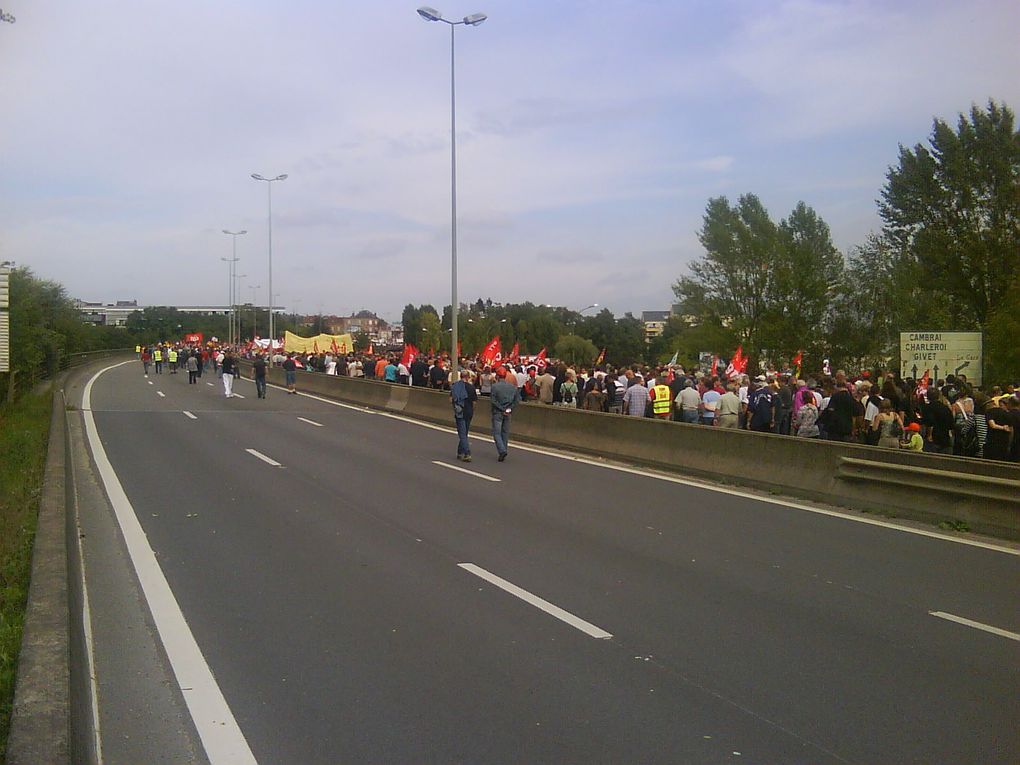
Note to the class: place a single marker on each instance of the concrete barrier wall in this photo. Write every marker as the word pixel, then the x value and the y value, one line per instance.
pixel 984 494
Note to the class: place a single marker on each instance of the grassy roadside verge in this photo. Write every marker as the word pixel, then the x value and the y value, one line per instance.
pixel 24 432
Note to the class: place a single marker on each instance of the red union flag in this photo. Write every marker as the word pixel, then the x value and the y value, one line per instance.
pixel 715 366
pixel 922 386
pixel 410 354
pixel 492 353
pixel 738 364
pixel 515 354
pixel 194 338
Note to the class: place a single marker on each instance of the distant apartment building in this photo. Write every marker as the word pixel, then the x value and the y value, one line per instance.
pixel 362 321
pixel 655 323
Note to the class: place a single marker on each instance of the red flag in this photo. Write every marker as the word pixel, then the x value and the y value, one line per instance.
pixel 922 387
pixel 491 353
pixel 738 364
pixel 797 362
pixel 715 366
pixel 515 354
pixel 540 360
pixel 410 354
pixel 370 351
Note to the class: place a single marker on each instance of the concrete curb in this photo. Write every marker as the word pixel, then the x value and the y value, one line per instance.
pixel 40 724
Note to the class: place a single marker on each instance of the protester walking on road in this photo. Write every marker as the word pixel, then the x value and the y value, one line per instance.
pixel 463 396
pixel 258 368
pixel 229 368
pixel 192 364
pixel 504 397
pixel 290 373
pixel 146 360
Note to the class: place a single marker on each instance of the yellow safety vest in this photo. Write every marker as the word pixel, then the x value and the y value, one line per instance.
pixel 138 349
pixel 661 403
pixel 157 355
pixel 172 355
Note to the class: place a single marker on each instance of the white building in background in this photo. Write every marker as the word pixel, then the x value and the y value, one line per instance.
pixel 116 314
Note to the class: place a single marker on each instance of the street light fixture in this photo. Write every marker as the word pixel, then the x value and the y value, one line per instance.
pixel 237 310
pixel 269 187
pixel 431 14
pixel 230 315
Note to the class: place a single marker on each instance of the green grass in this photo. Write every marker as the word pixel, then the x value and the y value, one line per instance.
pixel 24 430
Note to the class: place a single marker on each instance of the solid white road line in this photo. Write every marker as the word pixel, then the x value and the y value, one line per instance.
pixel 976 625
pixel 464 470
pixel 190 415
pixel 311 422
pixel 544 605
pixel 687 481
pixel 161 394
pixel 263 457
pixel 221 736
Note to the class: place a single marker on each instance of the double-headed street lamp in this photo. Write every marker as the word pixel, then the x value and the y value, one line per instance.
pixel 431 14
pixel 230 296
pixel 269 186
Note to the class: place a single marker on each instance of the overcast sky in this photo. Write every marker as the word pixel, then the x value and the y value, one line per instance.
pixel 590 136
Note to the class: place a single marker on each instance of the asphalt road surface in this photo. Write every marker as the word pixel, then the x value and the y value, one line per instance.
pixel 369 599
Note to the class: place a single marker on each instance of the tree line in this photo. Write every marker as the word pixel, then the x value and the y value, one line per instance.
pixel 947 258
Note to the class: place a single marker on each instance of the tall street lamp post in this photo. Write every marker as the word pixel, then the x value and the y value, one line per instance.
pixel 232 260
pixel 238 314
pixel 431 14
pixel 269 187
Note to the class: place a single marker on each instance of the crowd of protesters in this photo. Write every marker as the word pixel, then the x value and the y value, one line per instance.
pixel 877 408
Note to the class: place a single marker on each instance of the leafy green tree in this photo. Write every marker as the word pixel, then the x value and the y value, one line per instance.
pixel 806 276
pixel 954 209
pixel 411 321
pixel 431 336
pixel 734 280
pixel 1002 339
pixel 771 287
pixel 576 350
pixel 361 340
pixel 628 343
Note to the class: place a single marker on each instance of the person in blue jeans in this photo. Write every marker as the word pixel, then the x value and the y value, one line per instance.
pixel 463 395
pixel 504 397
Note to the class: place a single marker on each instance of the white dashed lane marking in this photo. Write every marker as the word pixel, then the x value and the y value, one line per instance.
pixel 264 458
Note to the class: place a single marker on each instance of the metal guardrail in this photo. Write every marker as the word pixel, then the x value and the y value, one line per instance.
pixel 24 380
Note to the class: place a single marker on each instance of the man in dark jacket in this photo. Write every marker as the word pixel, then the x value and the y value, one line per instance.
pixel 839 422
pixel 463 395
pixel 504 397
